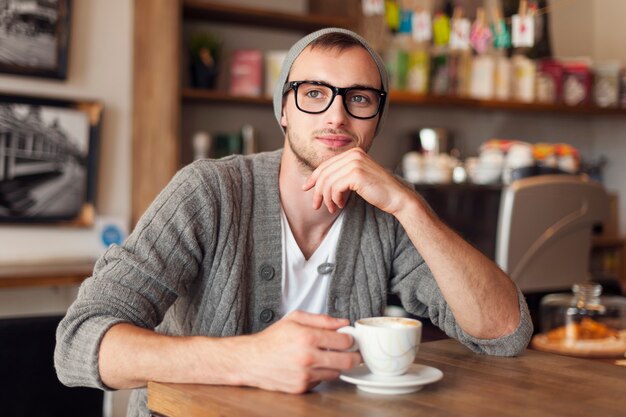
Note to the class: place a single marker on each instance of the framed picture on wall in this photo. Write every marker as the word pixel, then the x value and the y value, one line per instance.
pixel 48 159
pixel 34 37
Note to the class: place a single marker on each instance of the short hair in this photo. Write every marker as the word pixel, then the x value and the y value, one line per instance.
pixel 336 40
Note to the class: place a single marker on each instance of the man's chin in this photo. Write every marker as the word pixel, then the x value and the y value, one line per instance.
pixel 325 156
pixel 314 158
pixel 310 164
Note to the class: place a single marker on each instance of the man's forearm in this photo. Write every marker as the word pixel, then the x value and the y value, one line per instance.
pixel 131 356
pixel 483 298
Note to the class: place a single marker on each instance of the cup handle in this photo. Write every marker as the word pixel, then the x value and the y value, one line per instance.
pixel 352 332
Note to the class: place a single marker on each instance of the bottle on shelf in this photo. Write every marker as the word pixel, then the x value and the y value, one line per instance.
pixel 202 144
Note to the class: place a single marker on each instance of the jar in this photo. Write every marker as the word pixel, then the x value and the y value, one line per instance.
pixel 523 80
pixel 583 323
pixel 606 84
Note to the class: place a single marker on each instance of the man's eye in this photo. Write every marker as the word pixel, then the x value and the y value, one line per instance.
pixel 314 94
pixel 359 99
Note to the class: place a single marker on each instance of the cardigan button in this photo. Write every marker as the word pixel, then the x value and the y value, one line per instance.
pixel 326 268
pixel 267 315
pixel 266 272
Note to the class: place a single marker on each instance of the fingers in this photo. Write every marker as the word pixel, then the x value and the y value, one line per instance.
pixel 320 331
pixel 327 190
pixel 320 375
pixel 333 180
pixel 299 351
pixel 333 190
pixel 340 361
pixel 313 378
pixel 333 187
pixel 332 340
pixel 353 170
pixel 327 364
pixel 320 321
pixel 337 161
pixel 312 385
pixel 304 382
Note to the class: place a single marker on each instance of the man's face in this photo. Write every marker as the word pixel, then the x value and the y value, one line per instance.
pixel 314 138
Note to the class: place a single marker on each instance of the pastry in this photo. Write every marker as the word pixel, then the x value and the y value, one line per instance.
pixel 587 329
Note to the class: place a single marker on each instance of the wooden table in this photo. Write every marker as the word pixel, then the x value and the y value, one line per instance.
pixel 533 384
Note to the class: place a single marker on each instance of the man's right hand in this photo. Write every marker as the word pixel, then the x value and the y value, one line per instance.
pixel 297 353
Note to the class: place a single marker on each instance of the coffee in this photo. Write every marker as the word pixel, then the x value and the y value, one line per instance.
pixel 387 344
pixel 390 322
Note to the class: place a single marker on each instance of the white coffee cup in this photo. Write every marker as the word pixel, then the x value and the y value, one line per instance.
pixel 387 344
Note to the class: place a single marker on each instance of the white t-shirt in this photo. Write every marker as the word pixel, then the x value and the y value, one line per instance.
pixel 305 282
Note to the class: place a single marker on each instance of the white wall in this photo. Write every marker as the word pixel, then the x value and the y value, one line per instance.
pixel 100 68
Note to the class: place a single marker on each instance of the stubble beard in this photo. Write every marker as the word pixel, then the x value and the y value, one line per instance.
pixel 308 159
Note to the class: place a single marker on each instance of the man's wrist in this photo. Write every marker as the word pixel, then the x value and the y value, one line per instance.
pixel 221 361
pixel 411 207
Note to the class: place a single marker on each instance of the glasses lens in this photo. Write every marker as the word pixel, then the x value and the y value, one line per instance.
pixel 313 97
pixel 362 102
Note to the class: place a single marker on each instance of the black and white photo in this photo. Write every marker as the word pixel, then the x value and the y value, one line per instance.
pixel 34 37
pixel 48 155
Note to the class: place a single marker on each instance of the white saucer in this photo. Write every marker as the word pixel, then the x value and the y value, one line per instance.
pixel 416 377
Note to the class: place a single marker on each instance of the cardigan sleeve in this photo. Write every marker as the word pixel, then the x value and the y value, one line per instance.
pixel 419 293
pixel 138 281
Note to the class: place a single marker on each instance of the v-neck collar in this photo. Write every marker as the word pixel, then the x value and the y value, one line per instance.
pixel 321 249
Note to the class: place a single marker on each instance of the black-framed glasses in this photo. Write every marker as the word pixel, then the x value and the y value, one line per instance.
pixel 316 97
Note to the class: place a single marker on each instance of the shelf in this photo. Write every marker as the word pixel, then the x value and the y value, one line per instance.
pixel 607 242
pixel 50 274
pixel 402 98
pixel 412 99
pixel 214 96
pixel 200 10
pixel 43 281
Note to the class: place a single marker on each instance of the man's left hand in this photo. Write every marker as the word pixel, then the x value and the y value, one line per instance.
pixel 354 170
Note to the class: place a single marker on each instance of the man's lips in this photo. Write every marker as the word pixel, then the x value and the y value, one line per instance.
pixel 335 141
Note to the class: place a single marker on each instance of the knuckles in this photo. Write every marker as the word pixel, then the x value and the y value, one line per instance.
pixel 358 151
pixel 358 173
pixel 305 360
pixel 306 339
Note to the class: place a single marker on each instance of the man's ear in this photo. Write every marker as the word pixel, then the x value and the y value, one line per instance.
pixel 283 119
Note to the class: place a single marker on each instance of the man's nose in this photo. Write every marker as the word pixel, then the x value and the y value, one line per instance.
pixel 337 112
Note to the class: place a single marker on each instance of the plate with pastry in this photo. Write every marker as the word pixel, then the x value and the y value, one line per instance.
pixel 587 338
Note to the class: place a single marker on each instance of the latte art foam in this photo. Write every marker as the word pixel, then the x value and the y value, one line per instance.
pixel 389 322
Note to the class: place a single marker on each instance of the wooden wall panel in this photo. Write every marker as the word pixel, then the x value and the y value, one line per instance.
pixel 156 99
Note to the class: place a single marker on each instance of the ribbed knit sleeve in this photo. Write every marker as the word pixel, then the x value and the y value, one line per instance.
pixel 138 281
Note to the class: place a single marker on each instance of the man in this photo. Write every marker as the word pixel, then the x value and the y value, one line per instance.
pixel 317 233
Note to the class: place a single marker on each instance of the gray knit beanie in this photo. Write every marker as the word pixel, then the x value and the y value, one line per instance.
pixel 299 46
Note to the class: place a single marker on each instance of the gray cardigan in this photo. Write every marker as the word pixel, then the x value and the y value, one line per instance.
pixel 205 259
